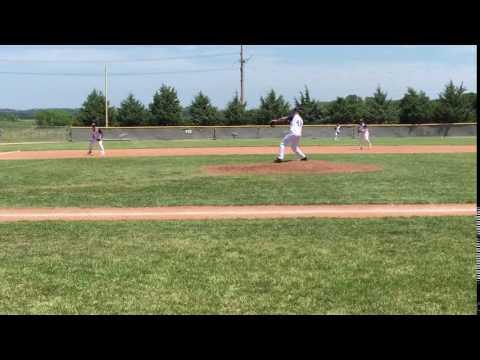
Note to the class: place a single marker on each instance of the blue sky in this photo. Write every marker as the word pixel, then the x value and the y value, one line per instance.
pixel 328 71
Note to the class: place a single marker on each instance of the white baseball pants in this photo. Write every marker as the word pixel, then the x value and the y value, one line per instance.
pixel 100 145
pixel 293 141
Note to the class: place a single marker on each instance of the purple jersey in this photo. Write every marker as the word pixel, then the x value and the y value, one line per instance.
pixel 96 135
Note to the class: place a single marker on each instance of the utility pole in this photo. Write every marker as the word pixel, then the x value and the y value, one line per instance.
pixel 106 98
pixel 242 90
pixel 243 61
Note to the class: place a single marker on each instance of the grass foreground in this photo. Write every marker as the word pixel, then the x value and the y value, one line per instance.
pixel 308 266
pixel 175 181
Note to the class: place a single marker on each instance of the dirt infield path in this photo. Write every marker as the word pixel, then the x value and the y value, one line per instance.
pixel 236 212
pixel 254 150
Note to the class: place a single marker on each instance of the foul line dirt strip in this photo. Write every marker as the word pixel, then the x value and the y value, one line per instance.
pixel 236 212
pixel 254 150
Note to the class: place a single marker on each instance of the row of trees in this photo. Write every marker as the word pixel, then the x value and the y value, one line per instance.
pixel 453 105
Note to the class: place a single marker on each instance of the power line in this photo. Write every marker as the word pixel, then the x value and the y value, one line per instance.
pixel 172 72
pixel 115 60
pixel 115 74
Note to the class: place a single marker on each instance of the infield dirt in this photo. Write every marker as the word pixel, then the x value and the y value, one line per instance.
pixel 253 150
pixel 289 167
pixel 235 212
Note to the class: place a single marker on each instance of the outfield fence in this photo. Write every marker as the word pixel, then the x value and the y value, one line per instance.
pixel 16 134
pixel 264 132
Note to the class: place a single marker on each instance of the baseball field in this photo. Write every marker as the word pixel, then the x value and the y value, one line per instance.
pixel 214 227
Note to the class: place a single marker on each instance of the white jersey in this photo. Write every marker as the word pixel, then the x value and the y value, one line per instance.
pixel 363 129
pixel 296 125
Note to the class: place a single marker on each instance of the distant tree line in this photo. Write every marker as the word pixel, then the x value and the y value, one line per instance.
pixel 454 104
pixel 8 118
pixel 31 113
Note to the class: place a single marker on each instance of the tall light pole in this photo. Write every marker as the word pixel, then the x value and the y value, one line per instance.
pixel 106 98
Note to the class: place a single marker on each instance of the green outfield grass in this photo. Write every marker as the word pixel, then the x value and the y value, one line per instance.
pixel 239 142
pixel 308 266
pixel 168 181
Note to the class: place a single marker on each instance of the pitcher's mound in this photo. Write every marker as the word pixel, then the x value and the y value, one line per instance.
pixel 289 167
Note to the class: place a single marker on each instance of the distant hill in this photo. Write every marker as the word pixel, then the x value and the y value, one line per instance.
pixel 31 113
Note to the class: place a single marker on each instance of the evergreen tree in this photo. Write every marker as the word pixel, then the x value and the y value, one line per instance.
pixel 452 106
pixel 202 112
pixel 415 108
pixel 379 110
pixel 311 109
pixel 346 110
pixel 471 98
pixel 165 108
pixel 252 116
pixel 186 117
pixel 132 112
pixel 93 110
pixel 272 107
pixel 235 112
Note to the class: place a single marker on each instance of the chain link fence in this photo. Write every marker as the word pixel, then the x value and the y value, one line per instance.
pixel 264 132
pixel 22 134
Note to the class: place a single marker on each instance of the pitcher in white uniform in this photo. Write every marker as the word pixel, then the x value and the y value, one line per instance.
pixel 293 137
pixel 96 136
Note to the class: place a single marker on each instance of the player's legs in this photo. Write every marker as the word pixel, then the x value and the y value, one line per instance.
pixel 100 145
pixel 285 141
pixel 90 147
pixel 362 140
pixel 295 147
pixel 367 139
